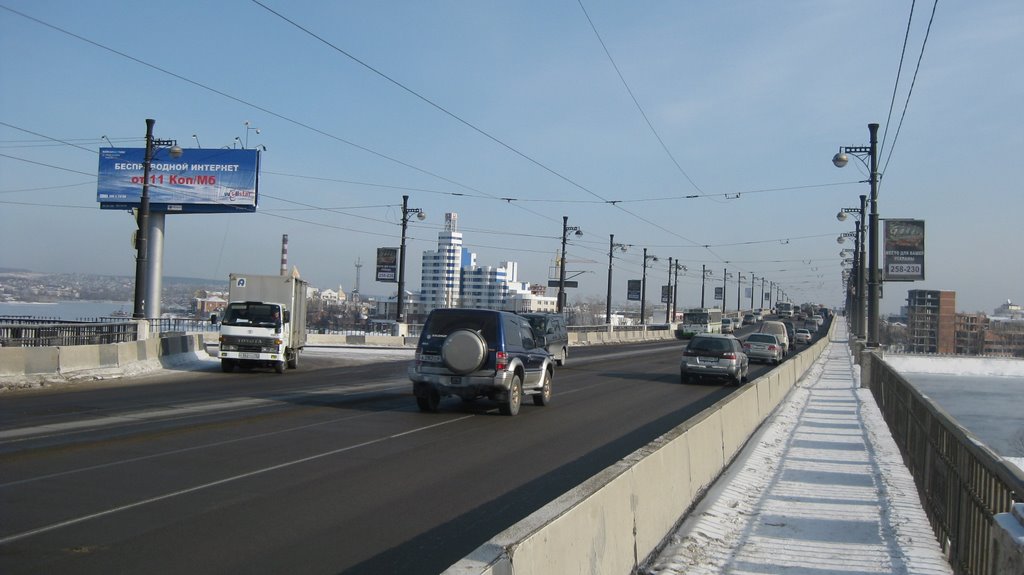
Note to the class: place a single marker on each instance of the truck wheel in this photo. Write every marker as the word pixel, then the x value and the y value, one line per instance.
pixel 293 360
pixel 515 397
pixel 279 367
pixel 227 365
pixel 430 402
pixel 544 397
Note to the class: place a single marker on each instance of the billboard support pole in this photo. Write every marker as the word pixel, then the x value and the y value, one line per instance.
pixel 142 234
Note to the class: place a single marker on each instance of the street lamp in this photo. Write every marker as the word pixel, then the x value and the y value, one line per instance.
pixel 840 160
pixel 561 265
pixel 407 212
pixel 142 221
pixel 725 277
pixel 675 290
pixel 612 246
pixel 704 271
pixel 858 290
pixel 643 287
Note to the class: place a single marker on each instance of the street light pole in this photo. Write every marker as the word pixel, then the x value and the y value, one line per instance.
pixel 561 266
pixel 739 286
pixel 668 296
pixel 752 276
pixel 142 234
pixel 675 289
pixel 611 251
pixel 406 212
pixel 840 160
pixel 643 288
pixel 725 273
pixel 703 277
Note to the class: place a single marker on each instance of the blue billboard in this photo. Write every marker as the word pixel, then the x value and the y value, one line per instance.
pixel 199 181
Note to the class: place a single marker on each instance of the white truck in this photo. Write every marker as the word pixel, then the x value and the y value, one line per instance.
pixel 264 322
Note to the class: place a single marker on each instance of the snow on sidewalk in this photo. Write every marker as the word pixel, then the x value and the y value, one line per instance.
pixel 821 489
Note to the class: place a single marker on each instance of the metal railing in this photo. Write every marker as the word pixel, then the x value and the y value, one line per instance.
pixel 28 333
pixel 962 483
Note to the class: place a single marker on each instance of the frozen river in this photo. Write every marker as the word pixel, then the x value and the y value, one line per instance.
pixel 984 395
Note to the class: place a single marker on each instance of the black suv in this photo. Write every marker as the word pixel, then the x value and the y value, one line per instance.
pixel 556 336
pixel 475 353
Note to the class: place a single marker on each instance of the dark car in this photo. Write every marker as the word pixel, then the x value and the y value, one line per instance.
pixel 556 336
pixel 473 353
pixel 714 356
pixel 790 331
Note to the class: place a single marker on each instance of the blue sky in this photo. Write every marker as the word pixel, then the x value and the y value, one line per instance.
pixel 518 100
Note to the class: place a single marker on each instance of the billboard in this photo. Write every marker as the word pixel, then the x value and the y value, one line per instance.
pixel 199 181
pixel 387 264
pixel 904 251
pixel 666 294
pixel 719 292
pixel 633 290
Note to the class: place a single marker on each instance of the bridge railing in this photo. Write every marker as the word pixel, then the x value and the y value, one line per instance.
pixel 25 333
pixel 962 483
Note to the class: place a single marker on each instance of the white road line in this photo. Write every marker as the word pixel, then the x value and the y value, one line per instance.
pixel 84 518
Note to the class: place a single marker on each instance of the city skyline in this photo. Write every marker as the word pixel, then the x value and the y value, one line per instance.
pixel 702 133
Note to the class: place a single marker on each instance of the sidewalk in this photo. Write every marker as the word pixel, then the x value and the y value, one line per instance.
pixel 821 489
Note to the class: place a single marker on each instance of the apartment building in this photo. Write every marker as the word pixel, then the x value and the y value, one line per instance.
pixel 451 277
pixel 931 321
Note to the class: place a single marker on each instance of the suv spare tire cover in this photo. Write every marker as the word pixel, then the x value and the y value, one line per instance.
pixel 464 351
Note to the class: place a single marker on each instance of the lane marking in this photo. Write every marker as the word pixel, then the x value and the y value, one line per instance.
pixel 84 518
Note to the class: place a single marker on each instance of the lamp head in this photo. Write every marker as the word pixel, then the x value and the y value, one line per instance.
pixel 841 216
pixel 840 160
pixel 175 151
pixel 840 240
pixel 421 215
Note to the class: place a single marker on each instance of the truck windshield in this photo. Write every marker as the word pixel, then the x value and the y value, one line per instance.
pixel 258 314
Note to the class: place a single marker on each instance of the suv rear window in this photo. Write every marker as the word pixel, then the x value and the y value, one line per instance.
pixel 442 324
pixel 713 344
pixel 762 338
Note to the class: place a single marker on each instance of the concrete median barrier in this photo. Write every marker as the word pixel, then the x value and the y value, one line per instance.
pixel 615 520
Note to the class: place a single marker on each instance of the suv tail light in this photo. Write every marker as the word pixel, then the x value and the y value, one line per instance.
pixel 501 360
pixel 729 355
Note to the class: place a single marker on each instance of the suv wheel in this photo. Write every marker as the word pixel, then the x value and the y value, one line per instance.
pixel 515 397
pixel 563 358
pixel 430 402
pixel 464 351
pixel 544 397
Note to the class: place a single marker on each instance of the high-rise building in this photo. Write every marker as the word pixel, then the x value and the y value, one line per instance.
pixel 931 321
pixel 451 278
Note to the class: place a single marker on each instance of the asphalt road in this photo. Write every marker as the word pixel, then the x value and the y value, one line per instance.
pixel 327 469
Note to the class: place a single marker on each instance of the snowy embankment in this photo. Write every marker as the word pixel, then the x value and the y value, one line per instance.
pixel 957 365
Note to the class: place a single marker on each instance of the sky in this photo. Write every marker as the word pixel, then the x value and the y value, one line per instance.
pixel 702 132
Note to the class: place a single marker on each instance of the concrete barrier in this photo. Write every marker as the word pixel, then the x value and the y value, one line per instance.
pixel 67 361
pixel 616 520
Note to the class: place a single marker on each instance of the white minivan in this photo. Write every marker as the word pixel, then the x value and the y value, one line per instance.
pixel 778 329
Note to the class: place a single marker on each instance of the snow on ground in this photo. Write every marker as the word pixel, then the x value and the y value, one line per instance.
pixel 821 489
pixel 957 365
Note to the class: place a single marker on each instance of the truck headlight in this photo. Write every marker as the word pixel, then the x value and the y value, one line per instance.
pixel 228 347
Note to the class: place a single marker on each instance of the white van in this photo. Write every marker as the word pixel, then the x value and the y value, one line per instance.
pixel 778 329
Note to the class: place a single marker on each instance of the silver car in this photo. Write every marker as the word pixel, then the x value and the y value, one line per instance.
pixel 763 347
pixel 714 356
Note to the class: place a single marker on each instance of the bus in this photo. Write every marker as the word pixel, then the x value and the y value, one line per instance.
pixel 784 309
pixel 701 320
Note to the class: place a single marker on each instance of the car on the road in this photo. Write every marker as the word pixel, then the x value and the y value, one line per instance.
pixel 818 319
pixel 778 329
pixel 749 319
pixel 811 325
pixel 556 336
pixel 714 356
pixel 728 325
pixel 473 353
pixel 790 331
pixel 763 347
pixel 803 336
